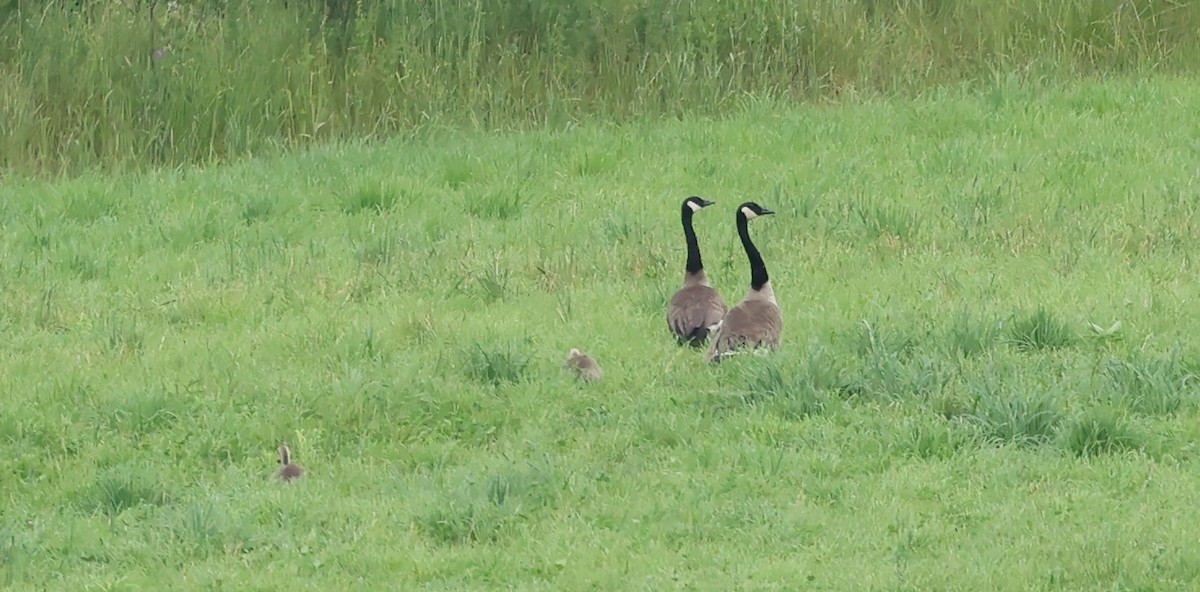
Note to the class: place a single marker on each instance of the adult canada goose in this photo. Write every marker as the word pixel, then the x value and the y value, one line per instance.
pixel 583 365
pixel 755 322
pixel 287 470
pixel 696 309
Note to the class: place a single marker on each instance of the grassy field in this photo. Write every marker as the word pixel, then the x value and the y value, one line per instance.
pixel 988 378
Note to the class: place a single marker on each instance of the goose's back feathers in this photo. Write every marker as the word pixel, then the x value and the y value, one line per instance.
pixel 754 323
pixel 695 311
pixel 289 472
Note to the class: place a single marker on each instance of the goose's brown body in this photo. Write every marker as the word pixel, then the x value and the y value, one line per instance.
pixel 695 310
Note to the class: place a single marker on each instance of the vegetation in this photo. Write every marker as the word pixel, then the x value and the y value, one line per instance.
pixel 988 378
pixel 130 83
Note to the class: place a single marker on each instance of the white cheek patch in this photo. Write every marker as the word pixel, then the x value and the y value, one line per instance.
pixel 749 213
pixel 694 206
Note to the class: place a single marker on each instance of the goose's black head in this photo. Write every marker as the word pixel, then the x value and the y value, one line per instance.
pixel 751 210
pixel 695 202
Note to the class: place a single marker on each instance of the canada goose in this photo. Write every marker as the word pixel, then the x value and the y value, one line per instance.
pixel 583 365
pixel 696 309
pixel 287 470
pixel 755 322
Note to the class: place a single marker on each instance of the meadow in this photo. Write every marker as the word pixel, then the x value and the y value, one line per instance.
pixel 987 379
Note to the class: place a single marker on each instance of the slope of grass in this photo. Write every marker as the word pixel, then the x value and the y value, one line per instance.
pixel 128 84
pixel 954 406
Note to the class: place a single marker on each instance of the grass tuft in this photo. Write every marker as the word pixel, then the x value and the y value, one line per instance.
pixel 968 336
pixel 378 251
pixel 1040 330
pixel 874 340
pixel 257 210
pixel 148 411
pixel 503 204
pixel 457 171
pixel 497 363
pixel 487 510
pixel 1100 431
pixel 493 282
pixel 205 530
pixel 1150 385
pixel 820 371
pixel 123 335
pixel 84 266
pixel 890 366
pixel 935 438
pixel 370 198
pixel 122 488
pixel 883 220
pixel 618 228
pixel 88 208
pixel 771 384
pixel 1015 418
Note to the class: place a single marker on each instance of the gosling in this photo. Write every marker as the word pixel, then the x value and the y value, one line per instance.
pixel 287 470
pixel 583 365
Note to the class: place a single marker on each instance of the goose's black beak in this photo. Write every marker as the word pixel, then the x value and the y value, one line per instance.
pixel 764 211
pixel 704 203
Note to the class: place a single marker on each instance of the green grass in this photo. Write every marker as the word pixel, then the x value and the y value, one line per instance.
pixel 129 85
pixel 954 407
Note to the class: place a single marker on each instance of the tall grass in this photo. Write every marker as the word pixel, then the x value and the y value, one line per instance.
pixel 128 83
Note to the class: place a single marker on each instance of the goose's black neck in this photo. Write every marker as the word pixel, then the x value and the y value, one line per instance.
pixel 758 269
pixel 693 247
